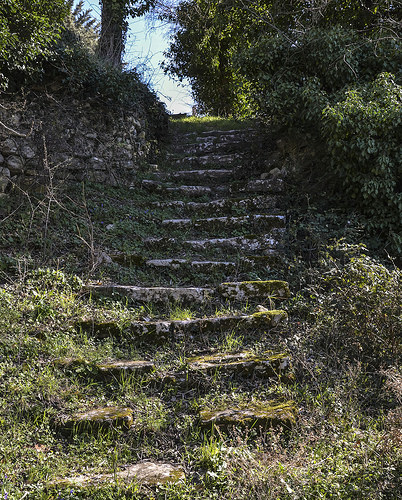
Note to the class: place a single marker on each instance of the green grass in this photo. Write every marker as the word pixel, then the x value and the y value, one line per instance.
pixel 208 123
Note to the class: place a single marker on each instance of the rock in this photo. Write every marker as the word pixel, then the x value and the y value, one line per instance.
pixel 154 294
pixel 1 159
pixel 265 414
pixel 111 417
pixel 260 308
pixel 160 330
pixel 244 290
pixel 243 363
pixel 15 164
pixel 27 152
pixel 142 473
pixel 109 227
pixel 4 179
pixel 9 146
pixel 122 367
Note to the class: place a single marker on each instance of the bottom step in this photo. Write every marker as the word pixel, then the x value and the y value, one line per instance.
pixel 143 473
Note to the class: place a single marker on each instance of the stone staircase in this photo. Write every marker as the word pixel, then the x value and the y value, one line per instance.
pixel 223 242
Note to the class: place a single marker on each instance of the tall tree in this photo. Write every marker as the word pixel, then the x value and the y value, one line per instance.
pixel 114 25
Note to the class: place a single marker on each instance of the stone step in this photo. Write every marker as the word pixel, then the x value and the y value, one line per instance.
pixel 264 186
pixel 142 473
pixel 243 363
pixel 235 291
pixel 197 191
pixel 222 205
pixel 163 329
pixel 205 265
pixel 244 135
pixel 265 244
pixel 260 221
pixel 246 290
pixel 211 266
pixel 208 159
pixel 178 263
pixel 154 294
pixel 212 144
pixel 204 176
pixel 256 414
pixel 98 419
pixel 106 369
pixel 238 188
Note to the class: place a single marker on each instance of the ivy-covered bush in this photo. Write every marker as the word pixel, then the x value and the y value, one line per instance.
pixel 27 31
pixel 363 134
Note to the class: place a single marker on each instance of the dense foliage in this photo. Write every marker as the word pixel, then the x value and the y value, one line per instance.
pixel 330 70
pixel 27 30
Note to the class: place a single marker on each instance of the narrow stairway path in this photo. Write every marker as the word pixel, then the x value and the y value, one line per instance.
pixel 210 257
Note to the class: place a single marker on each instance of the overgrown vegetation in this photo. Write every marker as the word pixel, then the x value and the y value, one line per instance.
pixel 328 70
pixel 343 337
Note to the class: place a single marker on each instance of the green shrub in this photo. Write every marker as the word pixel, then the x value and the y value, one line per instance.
pixel 357 313
pixel 363 134
pixel 27 31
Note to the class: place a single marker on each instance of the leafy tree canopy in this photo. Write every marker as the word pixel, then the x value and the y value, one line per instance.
pixel 27 29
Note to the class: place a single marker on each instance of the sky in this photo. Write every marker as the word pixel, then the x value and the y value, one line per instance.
pixel 146 42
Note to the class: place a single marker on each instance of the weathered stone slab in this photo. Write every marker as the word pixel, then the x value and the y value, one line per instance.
pixel 200 176
pixel 243 363
pixel 215 223
pixel 151 185
pixel 261 321
pixel 242 291
pixel 143 473
pixel 122 367
pixel 264 186
pixel 154 294
pixel 180 263
pixel 265 243
pixel 221 205
pixel 211 158
pixel 269 414
pixel 111 417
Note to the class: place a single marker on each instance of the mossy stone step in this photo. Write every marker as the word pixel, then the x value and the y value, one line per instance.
pixel 211 145
pixel 209 159
pixel 116 368
pixel 260 221
pixel 98 419
pixel 246 290
pixel 143 473
pixel 243 363
pixel 197 191
pixel 198 176
pixel 224 205
pixel 154 294
pixel 266 244
pixel 163 329
pixel 264 186
pixel 241 291
pixel 256 414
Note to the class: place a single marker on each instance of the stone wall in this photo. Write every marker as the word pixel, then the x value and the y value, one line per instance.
pixel 43 138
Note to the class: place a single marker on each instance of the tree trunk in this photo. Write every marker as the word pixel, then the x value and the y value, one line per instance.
pixel 113 32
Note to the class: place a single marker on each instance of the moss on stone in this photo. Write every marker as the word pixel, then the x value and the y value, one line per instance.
pixel 254 289
pixel 243 363
pixel 266 414
pixel 97 420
